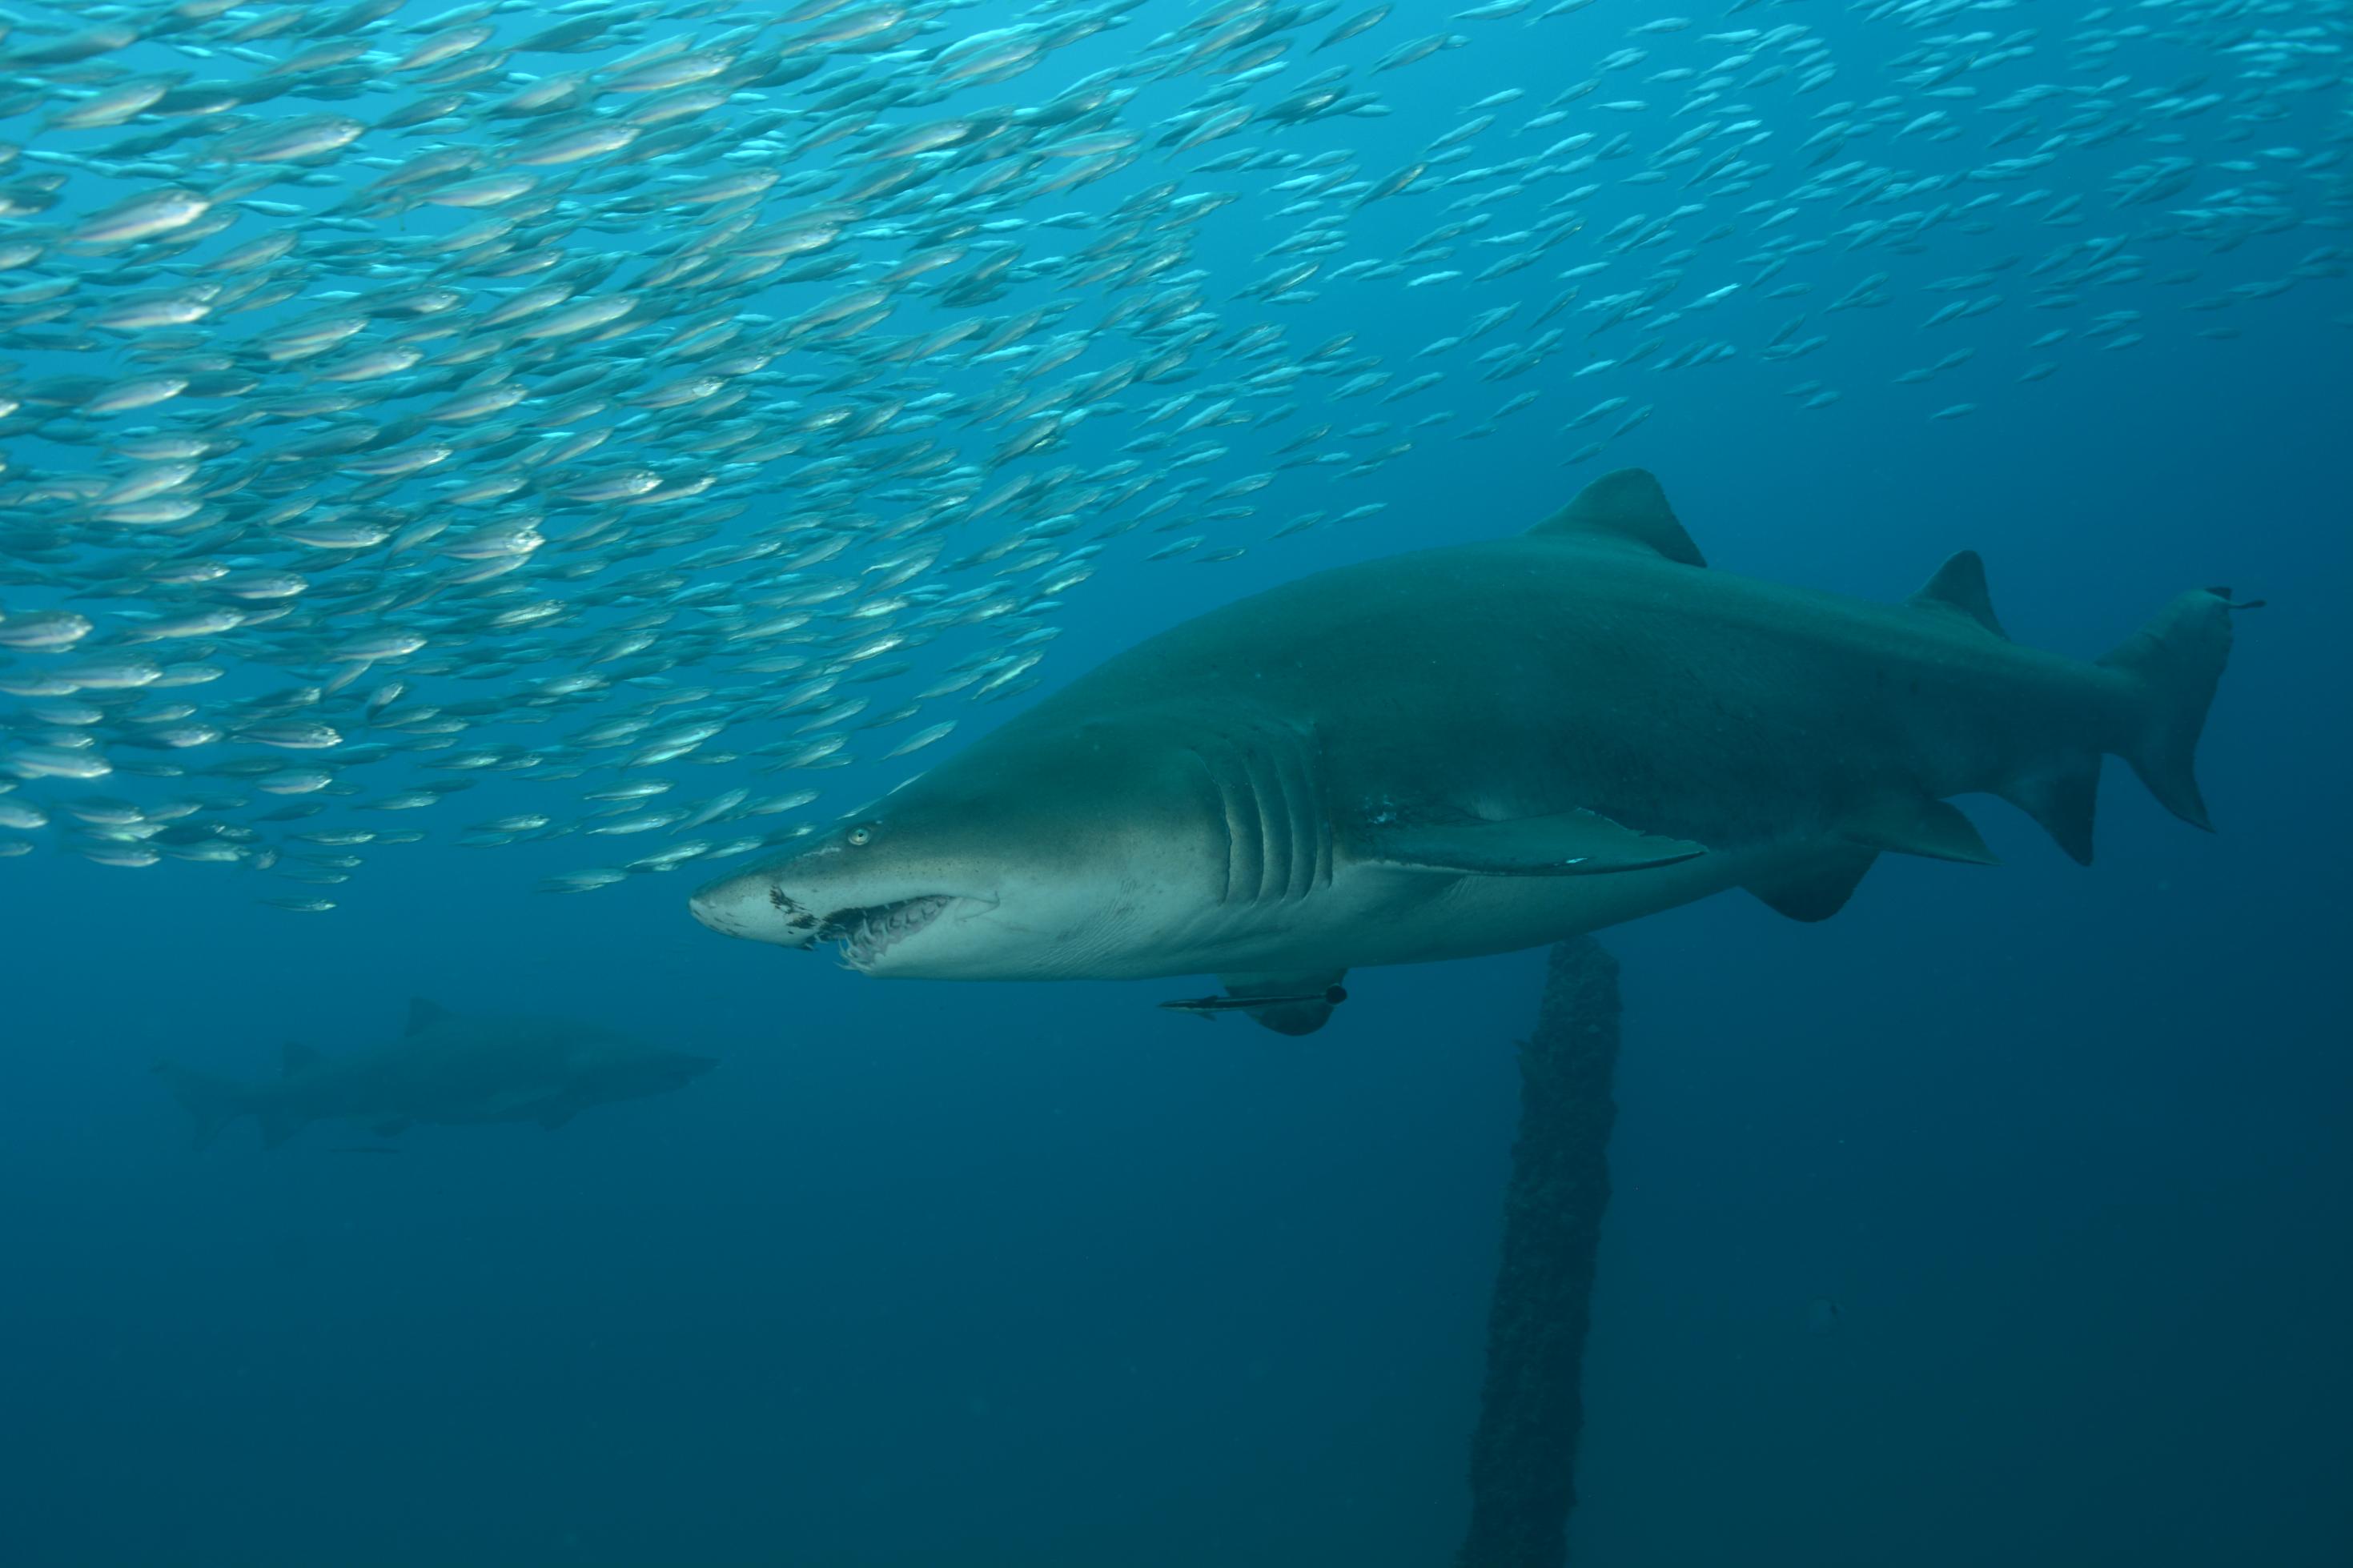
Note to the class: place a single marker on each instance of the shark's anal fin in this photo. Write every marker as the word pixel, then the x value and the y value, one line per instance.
pixel 1958 588
pixel 1305 1011
pixel 1629 507
pixel 1929 827
pixel 1820 886
pixel 2062 798
pixel 423 1014
pixel 1568 844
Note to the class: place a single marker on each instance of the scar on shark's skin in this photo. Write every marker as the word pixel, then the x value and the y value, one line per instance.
pixel 1332 774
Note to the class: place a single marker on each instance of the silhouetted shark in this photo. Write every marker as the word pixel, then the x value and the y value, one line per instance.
pixel 447 1068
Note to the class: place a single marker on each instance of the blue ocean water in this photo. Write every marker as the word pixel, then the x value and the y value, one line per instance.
pixel 930 1273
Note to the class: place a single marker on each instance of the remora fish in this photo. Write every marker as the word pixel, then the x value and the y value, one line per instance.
pixel 1476 749
pixel 1207 1007
pixel 447 1069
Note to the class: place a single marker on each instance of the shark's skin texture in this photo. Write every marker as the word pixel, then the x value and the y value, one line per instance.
pixel 449 1069
pixel 1477 749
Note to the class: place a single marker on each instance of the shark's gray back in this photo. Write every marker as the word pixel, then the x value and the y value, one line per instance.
pixel 1564 671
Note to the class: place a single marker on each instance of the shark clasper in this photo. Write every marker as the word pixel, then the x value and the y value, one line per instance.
pixel 1476 749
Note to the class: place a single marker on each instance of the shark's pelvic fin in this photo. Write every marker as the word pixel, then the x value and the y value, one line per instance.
pixel 1959 588
pixel 1930 827
pixel 1819 889
pixel 1627 505
pixel 423 1014
pixel 1571 844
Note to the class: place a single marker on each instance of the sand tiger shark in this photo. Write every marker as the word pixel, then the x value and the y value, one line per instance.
pixel 447 1067
pixel 1475 749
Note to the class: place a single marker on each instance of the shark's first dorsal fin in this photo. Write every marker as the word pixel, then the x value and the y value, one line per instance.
pixel 1959 588
pixel 1627 505
pixel 423 1014
pixel 299 1058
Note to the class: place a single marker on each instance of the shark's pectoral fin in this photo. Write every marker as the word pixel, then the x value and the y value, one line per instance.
pixel 1929 827
pixel 1302 1010
pixel 1820 886
pixel 1569 844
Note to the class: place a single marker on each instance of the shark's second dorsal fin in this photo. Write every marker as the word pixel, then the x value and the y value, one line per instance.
pixel 423 1014
pixel 1959 588
pixel 299 1058
pixel 1627 505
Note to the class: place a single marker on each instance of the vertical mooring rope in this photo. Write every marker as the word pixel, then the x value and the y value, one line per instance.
pixel 1524 1454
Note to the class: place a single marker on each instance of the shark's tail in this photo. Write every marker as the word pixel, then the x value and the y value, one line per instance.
pixel 2175 662
pixel 212 1104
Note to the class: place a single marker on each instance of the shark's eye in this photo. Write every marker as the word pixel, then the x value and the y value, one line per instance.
pixel 861 835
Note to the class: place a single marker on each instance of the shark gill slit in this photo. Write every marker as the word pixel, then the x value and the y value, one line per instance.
pixel 1249 835
pixel 1310 825
pixel 1274 824
pixel 1241 869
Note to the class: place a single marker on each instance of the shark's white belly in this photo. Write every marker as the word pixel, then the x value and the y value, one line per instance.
pixel 1375 915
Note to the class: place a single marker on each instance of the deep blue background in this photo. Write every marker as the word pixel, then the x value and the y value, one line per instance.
pixel 1032 1275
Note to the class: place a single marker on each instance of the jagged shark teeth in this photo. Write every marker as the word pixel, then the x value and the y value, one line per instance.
pixel 866 935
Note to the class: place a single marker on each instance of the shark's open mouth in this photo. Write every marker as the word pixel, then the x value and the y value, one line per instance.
pixel 866 934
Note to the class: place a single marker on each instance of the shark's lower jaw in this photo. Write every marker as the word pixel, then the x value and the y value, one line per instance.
pixel 866 934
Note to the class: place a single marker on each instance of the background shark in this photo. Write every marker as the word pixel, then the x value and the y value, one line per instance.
pixel 446 1068
pixel 1477 749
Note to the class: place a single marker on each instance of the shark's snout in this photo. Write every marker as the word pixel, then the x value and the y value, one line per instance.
pixel 714 909
pixel 753 907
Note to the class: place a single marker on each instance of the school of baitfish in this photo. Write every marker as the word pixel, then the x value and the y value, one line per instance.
pixel 625 397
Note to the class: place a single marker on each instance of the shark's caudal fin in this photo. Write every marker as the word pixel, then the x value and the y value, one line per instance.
pixel 212 1104
pixel 2175 661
